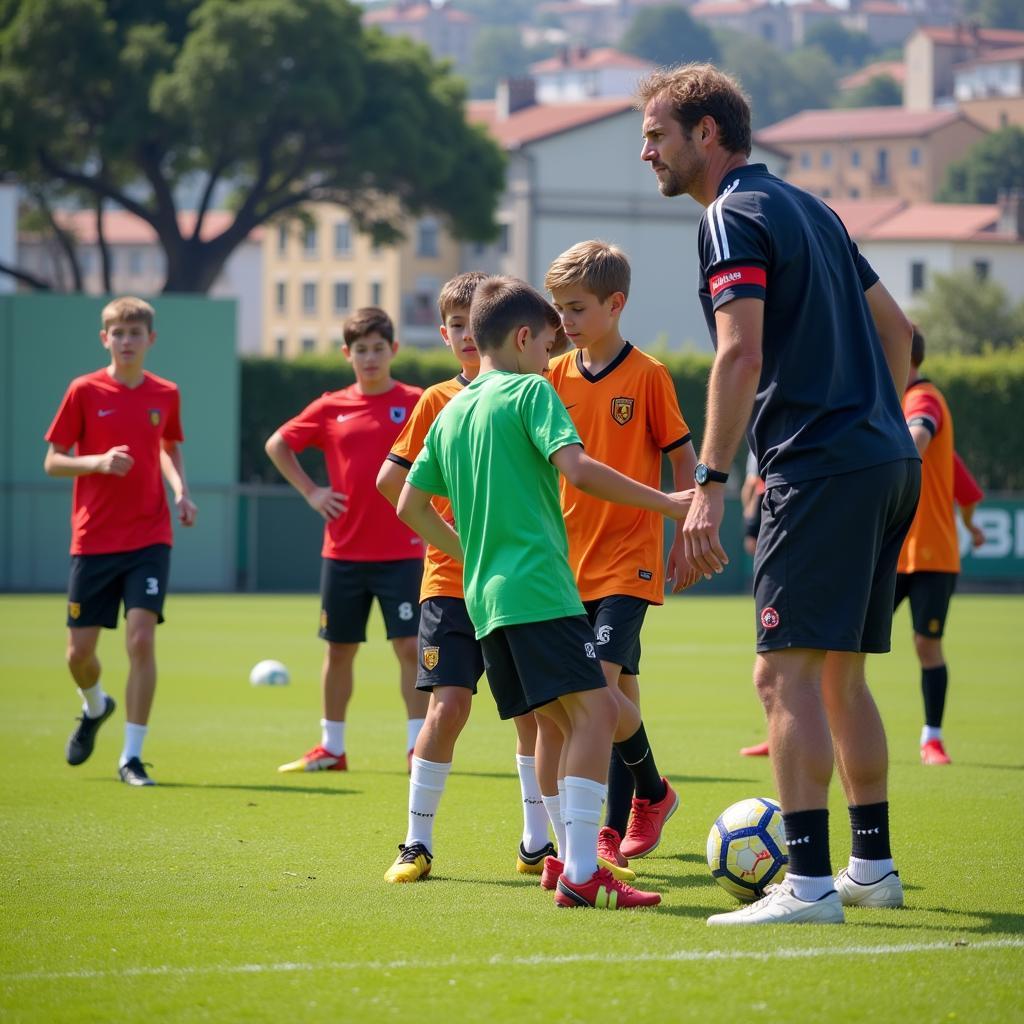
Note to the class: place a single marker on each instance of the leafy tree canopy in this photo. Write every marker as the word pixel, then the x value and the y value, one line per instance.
pixel 497 53
pixel 960 313
pixel 879 91
pixel 848 48
pixel 290 101
pixel 990 166
pixel 668 35
pixel 995 13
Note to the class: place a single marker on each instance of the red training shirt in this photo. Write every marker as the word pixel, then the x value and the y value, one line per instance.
pixel 355 432
pixel 118 513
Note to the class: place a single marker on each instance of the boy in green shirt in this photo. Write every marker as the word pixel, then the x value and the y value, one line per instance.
pixel 495 452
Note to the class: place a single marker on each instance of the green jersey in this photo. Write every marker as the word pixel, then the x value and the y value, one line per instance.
pixel 488 452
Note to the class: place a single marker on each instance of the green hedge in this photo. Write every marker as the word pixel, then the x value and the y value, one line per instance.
pixel 985 393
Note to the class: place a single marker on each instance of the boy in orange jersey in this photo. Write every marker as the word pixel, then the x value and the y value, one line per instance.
pixel 125 427
pixel 930 559
pixel 624 405
pixel 367 552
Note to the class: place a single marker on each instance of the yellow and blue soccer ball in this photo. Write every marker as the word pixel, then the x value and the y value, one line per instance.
pixel 747 848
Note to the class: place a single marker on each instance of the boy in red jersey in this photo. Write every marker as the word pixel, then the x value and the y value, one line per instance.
pixel 624 405
pixel 367 552
pixel 124 425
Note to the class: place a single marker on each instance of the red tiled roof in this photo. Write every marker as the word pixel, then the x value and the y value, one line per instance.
pixel 416 12
pixel 857 123
pixel 895 69
pixel 958 35
pixel 1007 53
pixel 589 60
pixel 816 7
pixel 939 222
pixel 123 228
pixel 881 7
pixel 712 9
pixel 860 215
pixel 542 120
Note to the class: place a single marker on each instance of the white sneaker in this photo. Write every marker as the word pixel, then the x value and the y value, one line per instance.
pixel 886 892
pixel 780 906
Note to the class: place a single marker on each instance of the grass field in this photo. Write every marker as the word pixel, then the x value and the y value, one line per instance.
pixel 232 893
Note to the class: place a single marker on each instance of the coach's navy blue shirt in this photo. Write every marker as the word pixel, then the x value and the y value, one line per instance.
pixel 826 402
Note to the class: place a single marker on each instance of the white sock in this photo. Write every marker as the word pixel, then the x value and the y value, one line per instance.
pixel 426 786
pixel 95 700
pixel 810 887
pixel 553 807
pixel 535 817
pixel 867 871
pixel 929 732
pixel 415 724
pixel 584 800
pixel 133 738
pixel 332 736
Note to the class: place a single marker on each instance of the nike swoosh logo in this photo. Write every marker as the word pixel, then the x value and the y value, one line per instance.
pixel 342 417
pixel 105 412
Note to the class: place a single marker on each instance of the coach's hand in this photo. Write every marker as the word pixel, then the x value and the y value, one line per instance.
pixel 330 504
pixel 116 462
pixel 701 544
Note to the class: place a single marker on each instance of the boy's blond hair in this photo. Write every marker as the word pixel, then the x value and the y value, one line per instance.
pixel 458 293
pixel 600 267
pixel 367 320
pixel 127 310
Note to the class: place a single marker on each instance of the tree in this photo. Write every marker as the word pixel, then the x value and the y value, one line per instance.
pixel 291 101
pixel 668 35
pixel 848 48
pixel 995 13
pixel 497 53
pixel 990 166
pixel 960 313
pixel 879 91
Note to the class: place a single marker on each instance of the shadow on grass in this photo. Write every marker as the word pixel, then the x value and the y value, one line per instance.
pixel 266 788
pixel 981 922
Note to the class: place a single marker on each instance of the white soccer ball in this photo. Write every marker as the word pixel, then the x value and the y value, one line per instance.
pixel 269 673
pixel 747 848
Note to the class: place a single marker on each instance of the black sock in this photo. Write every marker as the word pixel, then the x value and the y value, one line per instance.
pixel 933 687
pixel 869 824
pixel 620 794
pixel 807 840
pixel 636 753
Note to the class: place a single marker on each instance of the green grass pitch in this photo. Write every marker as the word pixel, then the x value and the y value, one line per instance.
pixel 231 893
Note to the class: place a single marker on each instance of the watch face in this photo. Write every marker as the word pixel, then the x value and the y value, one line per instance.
pixel 700 474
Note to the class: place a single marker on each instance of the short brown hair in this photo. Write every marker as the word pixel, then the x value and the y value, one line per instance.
pixel 504 304
pixel 128 310
pixel 367 320
pixel 699 90
pixel 917 347
pixel 600 267
pixel 458 292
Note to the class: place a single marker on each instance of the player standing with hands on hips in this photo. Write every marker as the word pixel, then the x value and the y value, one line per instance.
pixel 811 354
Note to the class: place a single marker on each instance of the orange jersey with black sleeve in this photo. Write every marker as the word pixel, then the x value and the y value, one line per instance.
pixel 442 576
pixel 628 417
pixel 932 544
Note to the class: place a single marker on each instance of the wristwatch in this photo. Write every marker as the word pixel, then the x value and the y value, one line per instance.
pixel 705 475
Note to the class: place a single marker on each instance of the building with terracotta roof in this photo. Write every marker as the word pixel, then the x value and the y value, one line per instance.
pixel 872 152
pixel 580 73
pixel 893 69
pixel 908 243
pixel 445 30
pixel 884 23
pixel 138 265
pixel 990 88
pixel 768 21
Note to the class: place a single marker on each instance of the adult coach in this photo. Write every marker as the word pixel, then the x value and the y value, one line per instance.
pixel 811 356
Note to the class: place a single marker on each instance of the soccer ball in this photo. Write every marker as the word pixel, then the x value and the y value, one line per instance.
pixel 747 847
pixel 269 673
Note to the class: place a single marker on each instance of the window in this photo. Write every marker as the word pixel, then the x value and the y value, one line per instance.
pixel 282 239
pixel 805 159
pixel 855 158
pixel 279 345
pixel 308 344
pixel 825 193
pixel 309 240
pixel 376 293
pixel 981 269
pixel 854 193
pixel 342 296
pixel 915 156
pixel 826 158
pixel 882 167
pixel 85 261
pixel 504 240
pixel 309 297
pixel 342 238
pixel 135 262
pixel 917 277
pixel 426 239
pixel 281 297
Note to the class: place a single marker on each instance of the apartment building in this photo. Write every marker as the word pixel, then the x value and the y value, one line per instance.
pixel 580 73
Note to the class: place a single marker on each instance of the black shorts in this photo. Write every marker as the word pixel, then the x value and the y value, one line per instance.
pixel 929 594
pixel 533 663
pixel 450 653
pixel 347 590
pixel 825 564
pixel 617 621
pixel 98 584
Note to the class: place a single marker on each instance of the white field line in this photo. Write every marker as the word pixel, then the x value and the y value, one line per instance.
pixel 539 960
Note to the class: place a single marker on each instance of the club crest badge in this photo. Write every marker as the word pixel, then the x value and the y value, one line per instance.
pixel 769 617
pixel 74 609
pixel 154 417
pixel 431 656
pixel 622 410
pixel 397 413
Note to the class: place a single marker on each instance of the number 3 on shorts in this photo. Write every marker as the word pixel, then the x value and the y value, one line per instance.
pixel 152 585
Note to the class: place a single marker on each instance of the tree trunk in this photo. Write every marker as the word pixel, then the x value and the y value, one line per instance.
pixel 101 244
